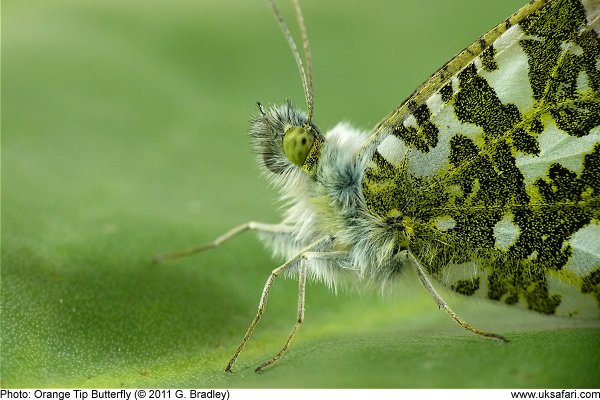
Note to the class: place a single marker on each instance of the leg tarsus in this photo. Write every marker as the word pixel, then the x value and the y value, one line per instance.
pixel 300 316
pixel 442 303
pixel 252 225
pixel 262 304
pixel 316 249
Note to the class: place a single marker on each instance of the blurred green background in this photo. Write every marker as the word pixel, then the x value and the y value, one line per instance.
pixel 124 135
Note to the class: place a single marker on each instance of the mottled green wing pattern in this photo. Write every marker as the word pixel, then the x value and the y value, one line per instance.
pixel 491 170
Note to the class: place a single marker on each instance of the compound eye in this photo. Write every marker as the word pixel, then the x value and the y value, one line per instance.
pixel 297 143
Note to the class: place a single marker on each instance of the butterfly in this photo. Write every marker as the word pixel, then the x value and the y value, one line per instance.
pixel 486 179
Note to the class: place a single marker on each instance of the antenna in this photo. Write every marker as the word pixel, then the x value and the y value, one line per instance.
pixel 305 76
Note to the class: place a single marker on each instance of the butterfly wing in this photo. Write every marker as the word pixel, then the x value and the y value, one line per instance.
pixel 491 169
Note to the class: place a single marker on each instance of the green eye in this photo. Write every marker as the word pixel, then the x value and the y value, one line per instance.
pixel 297 143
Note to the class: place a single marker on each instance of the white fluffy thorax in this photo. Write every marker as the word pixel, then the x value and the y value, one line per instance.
pixel 315 203
pixel 310 202
pixel 330 204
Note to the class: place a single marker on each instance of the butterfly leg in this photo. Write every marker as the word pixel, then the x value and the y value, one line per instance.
pixel 300 315
pixel 262 304
pixel 442 303
pixel 305 259
pixel 252 225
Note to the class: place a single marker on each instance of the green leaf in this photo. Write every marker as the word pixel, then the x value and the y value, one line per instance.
pixel 124 136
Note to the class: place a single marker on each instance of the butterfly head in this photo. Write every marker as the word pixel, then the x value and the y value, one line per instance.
pixel 284 140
